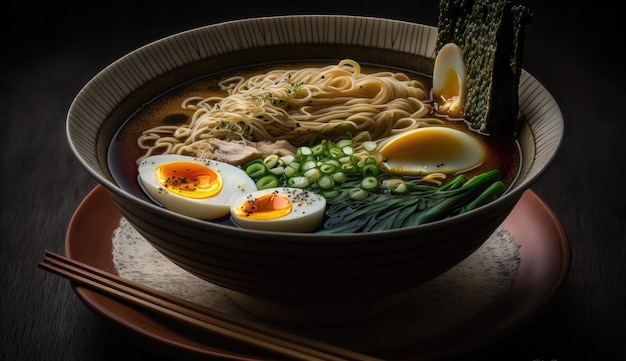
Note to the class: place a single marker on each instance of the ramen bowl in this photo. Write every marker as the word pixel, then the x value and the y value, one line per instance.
pixel 286 277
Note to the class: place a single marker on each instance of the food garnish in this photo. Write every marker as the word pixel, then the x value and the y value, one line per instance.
pixel 362 198
pixel 425 203
pixel 491 35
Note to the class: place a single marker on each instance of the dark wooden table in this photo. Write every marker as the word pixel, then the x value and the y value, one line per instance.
pixel 47 58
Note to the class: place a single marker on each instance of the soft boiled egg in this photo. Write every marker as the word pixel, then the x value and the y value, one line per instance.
pixel 196 187
pixel 428 150
pixel 280 209
pixel 449 81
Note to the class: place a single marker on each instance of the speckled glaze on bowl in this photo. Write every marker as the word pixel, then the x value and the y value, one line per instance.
pixel 292 277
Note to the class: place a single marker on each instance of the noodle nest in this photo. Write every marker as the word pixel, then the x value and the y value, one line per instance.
pixel 299 106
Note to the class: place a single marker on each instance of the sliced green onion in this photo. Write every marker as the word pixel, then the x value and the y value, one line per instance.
pixel 335 152
pixel 326 182
pixel 256 170
pixel 278 170
pixel 298 182
pixel 313 174
pixel 369 170
pixel 304 151
pixel 357 194
pixel 268 181
pixel 395 185
pixel 309 164
pixel 345 159
pixel 339 177
pixel 369 183
pixel 287 159
pixel 328 168
pixel 330 193
pixel 369 146
pixel 344 143
pixel 290 171
pixel 318 149
pixel 348 167
pixel 347 150
pixel 271 160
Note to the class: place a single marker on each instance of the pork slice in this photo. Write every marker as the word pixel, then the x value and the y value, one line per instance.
pixel 280 148
pixel 239 153
pixel 235 153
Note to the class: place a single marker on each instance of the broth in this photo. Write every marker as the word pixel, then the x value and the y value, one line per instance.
pixel 502 152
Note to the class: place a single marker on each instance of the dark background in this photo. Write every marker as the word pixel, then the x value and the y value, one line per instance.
pixel 50 51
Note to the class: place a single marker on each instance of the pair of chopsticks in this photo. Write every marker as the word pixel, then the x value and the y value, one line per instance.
pixel 192 314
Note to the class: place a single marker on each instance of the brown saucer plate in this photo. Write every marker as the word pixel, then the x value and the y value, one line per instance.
pixel 544 254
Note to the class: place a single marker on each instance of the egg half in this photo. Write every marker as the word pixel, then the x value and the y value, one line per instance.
pixel 196 187
pixel 449 81
pixel 428 150
pixel 280 209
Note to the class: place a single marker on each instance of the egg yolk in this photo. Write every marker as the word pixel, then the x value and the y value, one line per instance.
pixel 451 85
pixel 265 207
pixel 189 179
pixel 432 149
pixel 434 144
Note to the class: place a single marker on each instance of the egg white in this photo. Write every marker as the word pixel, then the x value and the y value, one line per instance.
pixel 428 150
pixel 449 81
pixel 235 182
pixel 307 213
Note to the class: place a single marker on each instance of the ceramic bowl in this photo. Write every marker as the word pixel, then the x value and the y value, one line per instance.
pixel 292 277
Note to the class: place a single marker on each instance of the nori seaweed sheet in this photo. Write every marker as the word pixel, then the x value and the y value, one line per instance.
pixel 491 35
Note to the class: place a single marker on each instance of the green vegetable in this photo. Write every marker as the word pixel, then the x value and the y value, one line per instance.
pixel 492 193
pixel 491 35
pixel 369 183
pixel 362 199
pixel 256 169
pixel 268 181
pixel 322 166
pixel 459 197
pixel 421 204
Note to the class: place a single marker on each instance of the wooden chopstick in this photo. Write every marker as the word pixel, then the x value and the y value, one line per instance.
pixel 204 318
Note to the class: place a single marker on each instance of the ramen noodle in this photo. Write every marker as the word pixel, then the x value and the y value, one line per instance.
pixel 299 106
